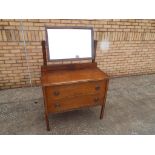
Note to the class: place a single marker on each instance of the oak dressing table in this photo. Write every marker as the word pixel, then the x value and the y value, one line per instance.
pixel 72 86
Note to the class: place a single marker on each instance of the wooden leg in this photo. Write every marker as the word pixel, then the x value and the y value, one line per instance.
pixel 102 111
pixel 104 101
pixel 47 122
pixel 46 111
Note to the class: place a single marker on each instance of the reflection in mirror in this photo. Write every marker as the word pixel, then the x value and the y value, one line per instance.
pixel 69 43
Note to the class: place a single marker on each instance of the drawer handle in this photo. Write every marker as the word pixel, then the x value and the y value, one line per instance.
pixel 57 105
pixel 96 99
pixel 56 93
pixel 97 87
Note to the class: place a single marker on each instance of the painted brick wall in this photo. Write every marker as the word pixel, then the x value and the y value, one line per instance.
pixel 131 48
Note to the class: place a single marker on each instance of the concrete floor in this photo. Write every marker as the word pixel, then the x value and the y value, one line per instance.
pixel 130 109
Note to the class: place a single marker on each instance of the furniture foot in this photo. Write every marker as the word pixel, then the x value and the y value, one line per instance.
pixel 47 123
pixel 104 101
pixel 102 111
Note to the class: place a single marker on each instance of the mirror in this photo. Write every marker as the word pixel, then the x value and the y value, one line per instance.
pixel 70 43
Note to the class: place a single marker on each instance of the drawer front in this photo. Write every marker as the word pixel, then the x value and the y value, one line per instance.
pixel 76 89
pixel 74 103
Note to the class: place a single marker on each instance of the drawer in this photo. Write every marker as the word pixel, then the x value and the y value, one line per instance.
pixel 76 89
pixel 74 103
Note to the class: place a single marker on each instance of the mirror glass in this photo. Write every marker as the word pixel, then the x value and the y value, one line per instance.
pixel 69 43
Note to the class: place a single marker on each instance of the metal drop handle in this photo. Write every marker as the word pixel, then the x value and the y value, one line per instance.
pixel 56 93
pixel 97 87
pixel 57 105
pixel 96 99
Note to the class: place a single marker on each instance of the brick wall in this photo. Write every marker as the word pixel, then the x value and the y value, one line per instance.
pixel 131 48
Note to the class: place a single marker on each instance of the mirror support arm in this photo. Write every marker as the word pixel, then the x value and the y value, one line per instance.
pixel 44 52
pixel 95 48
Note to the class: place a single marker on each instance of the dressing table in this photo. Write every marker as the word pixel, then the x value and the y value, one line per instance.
pixel 71 86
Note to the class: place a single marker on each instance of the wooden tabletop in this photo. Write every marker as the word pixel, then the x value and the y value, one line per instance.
pixel 72 76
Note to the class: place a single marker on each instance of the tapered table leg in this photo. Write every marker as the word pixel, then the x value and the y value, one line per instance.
pixel 46 111
pixel 47 122
pixel 102 111
pixel 104 100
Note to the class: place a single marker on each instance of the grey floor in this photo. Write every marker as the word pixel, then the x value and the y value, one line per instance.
pixel 130 109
